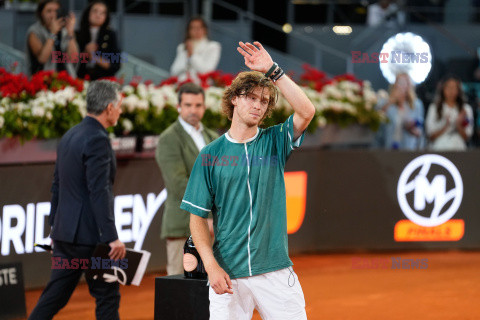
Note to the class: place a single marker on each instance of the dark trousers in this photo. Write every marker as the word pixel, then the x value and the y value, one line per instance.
pixel 63 282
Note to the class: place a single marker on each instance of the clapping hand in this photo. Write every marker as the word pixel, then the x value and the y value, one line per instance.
pixel 56 25
pixel 462 116
pixel 256 57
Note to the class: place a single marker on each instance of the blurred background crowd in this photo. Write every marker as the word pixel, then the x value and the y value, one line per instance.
pixel 429 103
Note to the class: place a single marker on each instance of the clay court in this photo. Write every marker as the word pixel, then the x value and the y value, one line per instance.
pixel 336 286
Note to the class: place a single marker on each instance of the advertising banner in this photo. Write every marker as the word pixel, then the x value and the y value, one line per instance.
pixel 336 201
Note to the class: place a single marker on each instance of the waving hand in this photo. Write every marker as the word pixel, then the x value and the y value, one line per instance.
pixel 256 57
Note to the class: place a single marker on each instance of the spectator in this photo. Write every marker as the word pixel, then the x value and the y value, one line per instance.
pixel 197 54
pixel 385 10
pixel 51 39
pixel 404 112
pixel 177 150
pixel 96 39
pixel 449 121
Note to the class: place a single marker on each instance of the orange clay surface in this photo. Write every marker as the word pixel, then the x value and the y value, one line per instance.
pixel 335 287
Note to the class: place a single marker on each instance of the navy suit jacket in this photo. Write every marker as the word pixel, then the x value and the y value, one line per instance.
pixel 82 197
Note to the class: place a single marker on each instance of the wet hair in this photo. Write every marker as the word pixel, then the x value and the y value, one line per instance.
pixel 244 84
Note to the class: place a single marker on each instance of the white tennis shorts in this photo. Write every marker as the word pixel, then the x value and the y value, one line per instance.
pixel 276 295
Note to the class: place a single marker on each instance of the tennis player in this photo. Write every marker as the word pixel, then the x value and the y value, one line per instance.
pixel 240 179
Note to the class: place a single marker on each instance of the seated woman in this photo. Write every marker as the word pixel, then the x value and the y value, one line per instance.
pixel 197 54
pixel 99 41
pixel 449 121
pixel 51 41
pixel 404 112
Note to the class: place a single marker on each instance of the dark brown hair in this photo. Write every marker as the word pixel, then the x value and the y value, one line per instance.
pixel 41 5
pixel 190 87
pixel 244 84
pixel 195 18
pixel 440 99
pixel 85 21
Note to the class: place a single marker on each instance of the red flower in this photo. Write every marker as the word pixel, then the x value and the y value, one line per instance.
pixel 169 81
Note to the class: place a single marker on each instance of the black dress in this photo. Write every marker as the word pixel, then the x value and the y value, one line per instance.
pixel 107 46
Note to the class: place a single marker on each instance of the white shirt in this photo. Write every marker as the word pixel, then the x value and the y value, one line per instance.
pixel 194 133
pixel 376 15
pixel 205 58
pixel 450 139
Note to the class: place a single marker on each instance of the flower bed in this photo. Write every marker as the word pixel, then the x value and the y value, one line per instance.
pixel 48 104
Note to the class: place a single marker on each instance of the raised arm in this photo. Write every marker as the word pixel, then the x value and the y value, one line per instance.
pixel 258 59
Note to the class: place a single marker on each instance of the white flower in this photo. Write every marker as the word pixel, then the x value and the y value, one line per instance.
pixel 38 111
pixel 213 98
pixel 142 104
pixel 158 101
pixel 127 125
pixel 2 110
pixel 142 91
pixel 2 121
pixel 20 107
pixel 5 102
pixel 130 102
pixel 332 91
pixel 370 96
pixel 170 95
pixel 321 122
pixel 48 115
pixel 81 104
pixel 128 89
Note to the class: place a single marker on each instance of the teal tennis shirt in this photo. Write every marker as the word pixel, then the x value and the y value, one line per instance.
pixel 243 185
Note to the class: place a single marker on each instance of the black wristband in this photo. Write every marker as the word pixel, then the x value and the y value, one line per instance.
pixel 270 71
pixel 278 76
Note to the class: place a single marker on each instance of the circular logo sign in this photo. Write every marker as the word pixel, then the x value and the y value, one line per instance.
pixel 445 202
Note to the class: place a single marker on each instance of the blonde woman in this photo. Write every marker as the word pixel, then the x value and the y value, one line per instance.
pixel 404 112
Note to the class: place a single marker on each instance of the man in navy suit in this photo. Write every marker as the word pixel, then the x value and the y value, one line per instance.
pixel 81 213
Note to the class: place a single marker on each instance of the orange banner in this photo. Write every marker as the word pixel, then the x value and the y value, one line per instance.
pixel 296 190
pixel 452 230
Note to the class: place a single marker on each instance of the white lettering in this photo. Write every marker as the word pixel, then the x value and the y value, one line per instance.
pixel 426 192
pixel 43 210
pixel 12 272
pixel 140 215
pixel 29 232
pixel 8 276
pixel 133 217
pixel 153 204
pixel 123 217
pixel 13 233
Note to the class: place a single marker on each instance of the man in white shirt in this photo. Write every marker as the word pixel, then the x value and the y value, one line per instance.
pixel 177 150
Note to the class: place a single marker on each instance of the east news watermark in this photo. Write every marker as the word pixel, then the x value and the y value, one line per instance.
pixel 389 263
pixel 93 263
pixel 209 160
pixel 395 56
pixel 83 57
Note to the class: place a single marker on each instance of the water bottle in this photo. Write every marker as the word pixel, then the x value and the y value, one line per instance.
pixel 192 263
